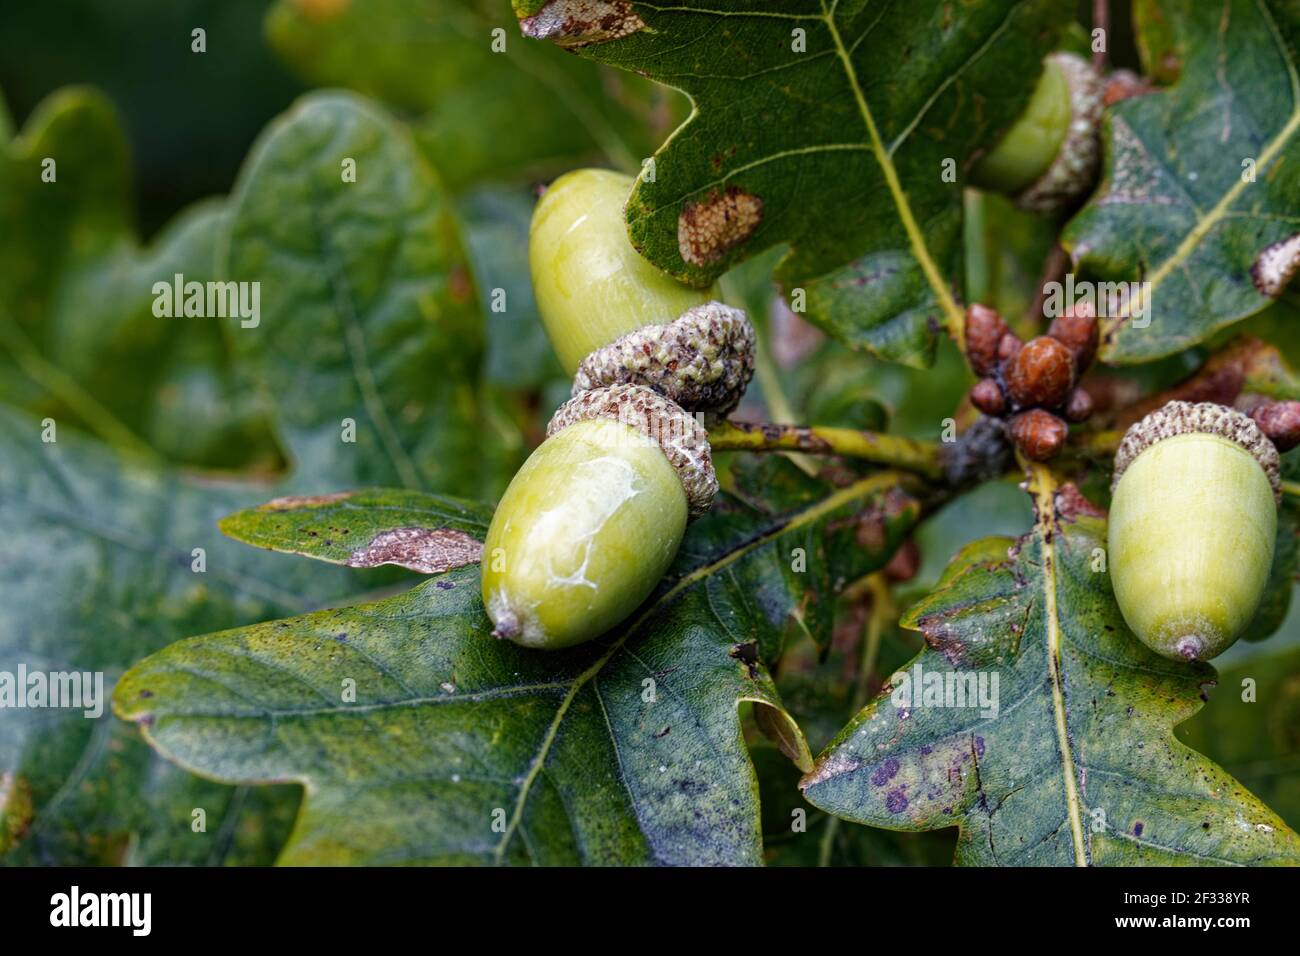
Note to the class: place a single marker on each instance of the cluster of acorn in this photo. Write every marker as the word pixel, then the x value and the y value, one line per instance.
pixel 1034 384
pixel 590 523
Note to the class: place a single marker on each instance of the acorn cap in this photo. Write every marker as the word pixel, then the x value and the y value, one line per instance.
pixel 682 439
pixel 1186 418
pixel 1076 161
pixel 702 360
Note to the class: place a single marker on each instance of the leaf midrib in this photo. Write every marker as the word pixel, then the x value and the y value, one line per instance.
pixel 1044 490
pixel 954 319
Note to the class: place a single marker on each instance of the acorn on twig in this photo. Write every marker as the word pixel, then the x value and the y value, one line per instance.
pixel 613 318
pixel 1193 520
pixel 1049 156
pixel 1280 421
pixel 591 285
pixel 592 520
pixel 1038 434
pixel 1034 383
pixel 594 517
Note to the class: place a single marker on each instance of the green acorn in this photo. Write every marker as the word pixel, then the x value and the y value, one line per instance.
pixel 1049 156
pixel 1193 520
pixel 592 521
pixel 591 286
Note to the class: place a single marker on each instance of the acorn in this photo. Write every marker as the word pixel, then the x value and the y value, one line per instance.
pixel 985 330
pixel 1041 373
pixel 1049 156
pixel 593 519
pixel 1193 521
pixel 613 318
pixel 591 285
pixel 986 395
pixel 1038 434
pixel 1077 330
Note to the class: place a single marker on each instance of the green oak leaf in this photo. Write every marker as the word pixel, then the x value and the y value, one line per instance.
pixel 369 342
pixel 826 126
pixel 1077 763
pixel 822 693
pixel 368 527
pixel 496 221
pixel 457 748
pixel 485 103
pixel 1199 184
pixel 1276 602
pixel 98 569
pixel 1251 727
pixel 77 300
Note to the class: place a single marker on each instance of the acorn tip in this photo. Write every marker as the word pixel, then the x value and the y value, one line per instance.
pixel 507 626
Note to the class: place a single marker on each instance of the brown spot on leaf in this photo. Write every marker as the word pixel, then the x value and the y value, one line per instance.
pixel 1070 504
pixel 293 502
pixel 1276 266
pixel 427 550
pixel 575 23
pixel 708 229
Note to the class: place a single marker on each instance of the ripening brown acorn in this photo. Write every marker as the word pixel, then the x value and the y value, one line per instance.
pixel 985 329
pixel 1078 407
pixel 1009 347
pixel 986 395
pixel 1077 331
pixel 1041 373
pixel 1038 434
pixel 1280 421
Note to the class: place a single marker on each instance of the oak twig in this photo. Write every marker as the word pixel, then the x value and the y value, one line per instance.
pixel 908 454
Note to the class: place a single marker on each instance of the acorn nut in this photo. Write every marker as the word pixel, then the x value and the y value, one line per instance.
pixel 986 395
pixel 1193 521
pixel 591 285
pixel 595 516
pixel 1049 156
pixel 1038 434
pixel 1041 373
pixel 613 318
pixel 985 329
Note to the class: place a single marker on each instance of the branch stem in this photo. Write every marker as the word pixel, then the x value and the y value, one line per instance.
pixel 893 450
